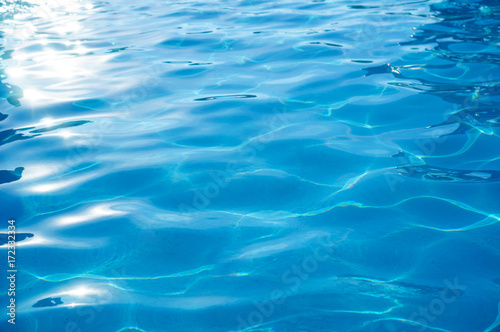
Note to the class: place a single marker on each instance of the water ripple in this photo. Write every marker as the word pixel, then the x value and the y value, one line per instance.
pixel 252 165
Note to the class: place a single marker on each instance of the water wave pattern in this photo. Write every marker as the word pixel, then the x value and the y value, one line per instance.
pixel 252 165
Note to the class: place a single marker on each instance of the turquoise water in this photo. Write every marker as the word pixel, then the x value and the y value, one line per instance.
pixel 251 165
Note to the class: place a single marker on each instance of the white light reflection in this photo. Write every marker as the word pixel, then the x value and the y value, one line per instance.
pixel 31 96
pixel 83 291
pixel 65 134
pixel 39 170
pixel 59 184
pixel 91 214
pixel 43 239
pixel 47 61
pixel 77 295
pixel 50 187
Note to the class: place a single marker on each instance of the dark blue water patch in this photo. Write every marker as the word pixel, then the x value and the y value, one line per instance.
pixel 362 61
pixel 12 135
pixel 178 62
pixel 430 173
pixel 200 64
pixel 325 43
pixel 48 302
pixel 480 117
pixel 4 237
pixel 225 97
pixel 11 176
pixel 116 50
pixel 186 42
pixel 199 33
pixel 362 7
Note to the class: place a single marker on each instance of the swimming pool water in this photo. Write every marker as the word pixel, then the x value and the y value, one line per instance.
pixel 251 165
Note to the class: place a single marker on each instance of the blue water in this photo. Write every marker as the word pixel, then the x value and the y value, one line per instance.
pixel 251 165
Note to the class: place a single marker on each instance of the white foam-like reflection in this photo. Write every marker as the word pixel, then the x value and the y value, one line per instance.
pixel 47 59
pixel 70 296
pixel 51 186
pixel 82 291
pixel 39 170
pixel 91 214
pixel 31 95
pixel 59 184
pixel 43 238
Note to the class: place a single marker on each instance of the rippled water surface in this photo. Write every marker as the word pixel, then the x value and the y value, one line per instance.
pixel 251 165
